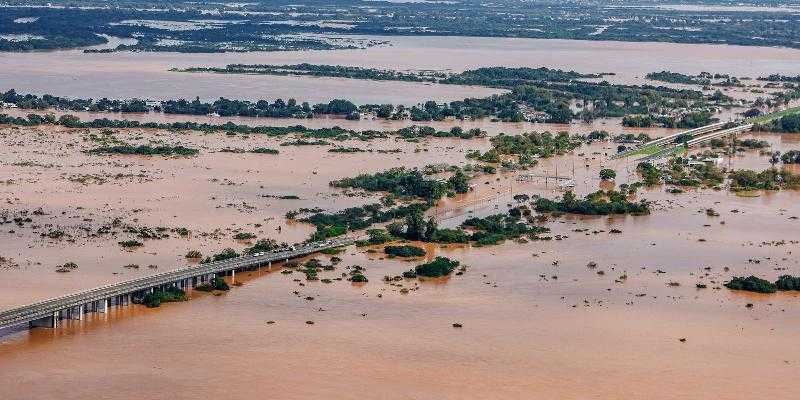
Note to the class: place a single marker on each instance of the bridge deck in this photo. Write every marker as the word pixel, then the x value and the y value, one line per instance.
pixel 47 307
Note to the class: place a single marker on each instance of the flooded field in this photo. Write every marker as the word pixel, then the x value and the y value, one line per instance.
pixel 125 75
pixel 538 322
pixel 612 307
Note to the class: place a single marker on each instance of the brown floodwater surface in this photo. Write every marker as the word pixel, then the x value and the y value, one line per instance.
pixel 537 321
pixel 126 74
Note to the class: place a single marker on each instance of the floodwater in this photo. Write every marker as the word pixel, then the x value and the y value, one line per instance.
pixel 125 75
pixel 537 322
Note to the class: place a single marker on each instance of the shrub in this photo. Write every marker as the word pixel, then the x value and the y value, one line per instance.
pixel 441 266
pixel 788 282
pixel 244 236
pixel 404 251
pixel 219 284
pixel 607 174
pixel 154 299
pixel 751 284
pixel 194 254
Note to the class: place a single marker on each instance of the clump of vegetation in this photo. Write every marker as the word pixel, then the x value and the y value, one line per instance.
pixel 264 150
pixel 791 157
pixel 66 267
pixel 675 77
pixel 354 218
pixel 789 123
pixel 304 142
pixel 358 277
pixel 130 243
pixel 770 179
pixel 751 284
pixel 194 254
pixel 215 284
pixel 405 182
pixel 598 203
pixel 495 229
pixel 404 251
pixel 145 150
pixel 607 174
pixel 681 172
pixel 446 235
pixel 244 236
pixel 377 236
pixel 788 282
pixel 649 172
pixel 158 296
pixel 226 254
pixel 264 245
pixel 525 148
pixel 441 266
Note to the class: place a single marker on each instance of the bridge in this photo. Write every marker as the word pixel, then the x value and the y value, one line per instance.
pixel 698 140
pixel 665 146
pixel 48 313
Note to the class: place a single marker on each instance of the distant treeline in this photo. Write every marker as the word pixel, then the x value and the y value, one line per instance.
pixel 501 77
pixel 411 132
pixel 780 78
pixel 332 71
pixel 675 77
pixel 534 94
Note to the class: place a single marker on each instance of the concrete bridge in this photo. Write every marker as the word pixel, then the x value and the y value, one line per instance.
pixel 48 313
pixel 698 140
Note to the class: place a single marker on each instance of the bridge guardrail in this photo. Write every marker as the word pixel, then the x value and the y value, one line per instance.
pixel 47 307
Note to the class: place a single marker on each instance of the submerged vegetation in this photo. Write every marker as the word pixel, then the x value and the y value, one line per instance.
pixel 770 179
pixel 404 251
pixel 158 296
pixel 525 148
pixel 441 266
pixel 755 284
pixel 404 182
pixel 145 150
pixel 597 203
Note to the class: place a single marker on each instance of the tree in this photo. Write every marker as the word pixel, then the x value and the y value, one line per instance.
pixel 378 236
pixel 790 123
pixel 396 229
pixel 430 229
pixel 607 174
pixel 415 226
pixel 459 182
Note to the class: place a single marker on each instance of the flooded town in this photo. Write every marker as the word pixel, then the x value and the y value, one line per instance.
pixel 364 199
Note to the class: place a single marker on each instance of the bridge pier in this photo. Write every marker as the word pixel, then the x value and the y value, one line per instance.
pixel 46 322
pixel 75 312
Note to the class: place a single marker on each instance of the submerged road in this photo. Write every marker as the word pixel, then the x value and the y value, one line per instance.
pixel 48 312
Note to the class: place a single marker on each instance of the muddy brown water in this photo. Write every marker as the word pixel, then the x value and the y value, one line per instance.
pixel 531 327
pixel 116 75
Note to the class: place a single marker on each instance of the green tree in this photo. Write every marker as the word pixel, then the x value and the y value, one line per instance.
pixel 459 182
pixel 415 227
pixel 607 174
pixel 430 229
